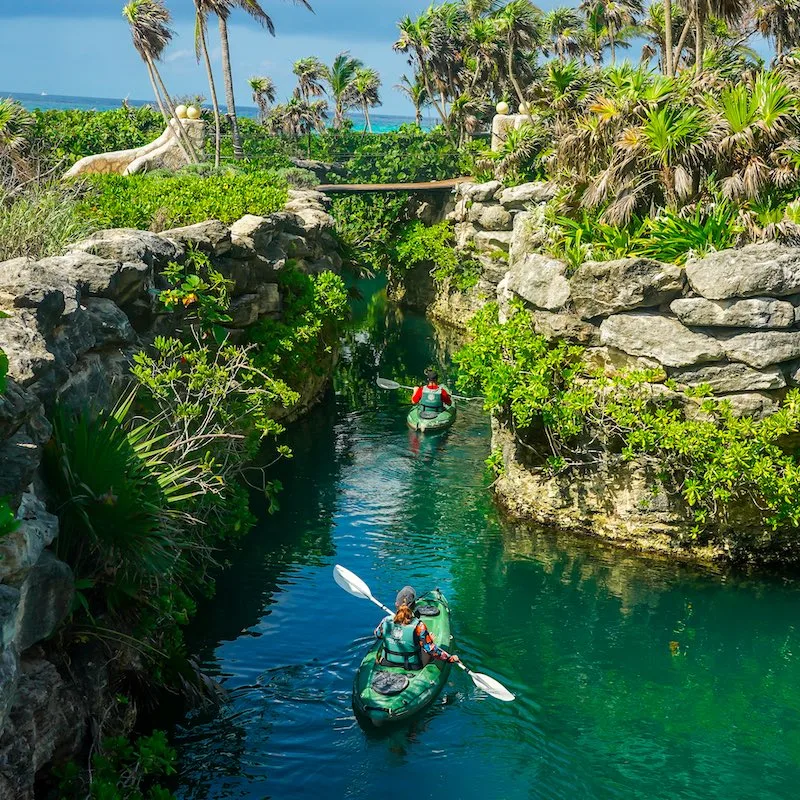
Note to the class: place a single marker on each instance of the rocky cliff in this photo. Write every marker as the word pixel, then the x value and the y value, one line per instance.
pixel 730 320
pixel 72 324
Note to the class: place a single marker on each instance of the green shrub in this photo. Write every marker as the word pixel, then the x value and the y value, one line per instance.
pixel 158 203
pixel 715 460
pixel 41 221
pixel 297 177
pixel 8 522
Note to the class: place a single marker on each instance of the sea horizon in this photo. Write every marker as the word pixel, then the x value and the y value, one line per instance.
pixel 380 122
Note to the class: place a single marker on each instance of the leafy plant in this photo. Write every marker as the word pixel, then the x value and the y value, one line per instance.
pixel 8 522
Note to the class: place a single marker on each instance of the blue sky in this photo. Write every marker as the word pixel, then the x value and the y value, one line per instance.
pixel 83 47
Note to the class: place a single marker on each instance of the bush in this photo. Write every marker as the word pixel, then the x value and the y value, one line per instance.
pixel 41 221
pixel 8 522
pixel 298 177
pixel 158 203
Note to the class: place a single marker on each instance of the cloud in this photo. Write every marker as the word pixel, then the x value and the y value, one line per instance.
pixel 178 55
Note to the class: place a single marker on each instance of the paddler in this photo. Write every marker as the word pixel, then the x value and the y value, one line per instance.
pixel 407 642
pixel 431 398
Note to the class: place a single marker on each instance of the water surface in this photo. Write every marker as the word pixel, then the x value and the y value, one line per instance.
pixel 635 678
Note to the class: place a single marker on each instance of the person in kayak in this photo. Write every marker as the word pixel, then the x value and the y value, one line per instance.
pixel 407 642
pixel 431 398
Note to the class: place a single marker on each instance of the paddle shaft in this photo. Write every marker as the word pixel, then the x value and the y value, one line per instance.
pixel 413 388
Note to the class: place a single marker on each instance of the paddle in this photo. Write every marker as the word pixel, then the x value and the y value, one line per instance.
pixel 352 584
pixel 385 383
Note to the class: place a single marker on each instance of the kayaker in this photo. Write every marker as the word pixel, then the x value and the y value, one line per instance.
pixel 432 398
pixel 407 642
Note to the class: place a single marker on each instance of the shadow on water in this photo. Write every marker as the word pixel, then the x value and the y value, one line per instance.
pixel 635 678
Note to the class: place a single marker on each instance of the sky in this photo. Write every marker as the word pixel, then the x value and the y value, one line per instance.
pixel 83 47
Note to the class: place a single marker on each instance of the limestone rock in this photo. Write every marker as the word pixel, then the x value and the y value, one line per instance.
pixel 757 312
pixel 24 285
pixel 517 197
pixel 45 600
pixel 9 604
pixel 16 405
pixel 29 356
pixel 211 236
pixel 253 233
pixel 128 245
pixel 108 322
pixel 465 234
pixel 528 235
pixel 490 217
pixel 102 277
pixel 565 326
pixel 662 338
pixel 541 281
pixel 96 381
pixel 20 455
pixel 753 270
pixel 491 241
pixel 608 287
pixel 248 308
pixel 732 377
pixel 9 670
pixel 611 361
pixel 479 192
pixel 750 404
pixel 21 549
pixel 759 349
pixel 315 219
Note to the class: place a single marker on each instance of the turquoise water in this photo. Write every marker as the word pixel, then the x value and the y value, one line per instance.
pixel 380 122
pixel 635 678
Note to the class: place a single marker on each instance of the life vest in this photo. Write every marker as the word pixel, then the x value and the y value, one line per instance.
pixel 400 648
pixel 431 399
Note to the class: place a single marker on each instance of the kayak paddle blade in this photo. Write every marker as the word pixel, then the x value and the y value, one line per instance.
pixel 491 687
pixel 351 583
pixel 385 383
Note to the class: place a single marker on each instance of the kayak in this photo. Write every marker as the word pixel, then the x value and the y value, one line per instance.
pixel 440 422
pixel 383 694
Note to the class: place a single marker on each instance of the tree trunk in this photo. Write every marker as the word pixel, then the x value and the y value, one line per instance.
pixel 238 153
pixel 699 37
pixel 367 119
pixel 187 148
pixel 156 93
pixel 418 115
pixel 676 56
pixel 613 45
pixel 668 38
pixel 213 90
pixel 778 46
pixel 514 81
pixel 428 89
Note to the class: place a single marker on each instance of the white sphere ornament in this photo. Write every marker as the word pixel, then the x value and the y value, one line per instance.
pixel 193 112
pixel 523 108
pixel 502 107
pixel 180 111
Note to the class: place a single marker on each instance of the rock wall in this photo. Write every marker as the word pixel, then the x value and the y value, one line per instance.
pixel 730 319
pixel 73 323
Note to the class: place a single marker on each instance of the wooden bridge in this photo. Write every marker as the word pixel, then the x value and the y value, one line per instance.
pixel 391 188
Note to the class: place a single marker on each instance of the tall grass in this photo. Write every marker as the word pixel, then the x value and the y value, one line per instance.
pixel 40 220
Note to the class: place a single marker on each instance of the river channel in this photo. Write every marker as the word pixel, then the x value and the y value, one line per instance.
pixel 635 678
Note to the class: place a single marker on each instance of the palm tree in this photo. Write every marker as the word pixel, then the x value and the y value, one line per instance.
pixel 298 118
pixel 519 20
pixel 779 20
pixel 620 14
pixel 263 93
pixel 364 91
pixel 416 93
pixel 149 23
pixel 340 76
pixel 201 50
pixel 222 9
pixel 563 27
pixel 310 74
pixel 724 10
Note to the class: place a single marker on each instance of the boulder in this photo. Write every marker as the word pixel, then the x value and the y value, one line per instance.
pixel 96 276
pixel 732 377
pixel 9 670
pixel 24 285
pixel 479 192
pixel 759 349
pixel 750 404
pixel 540 281
pixel 601 288
pixel 109 324
pixel 96 381
pixel 662 338
pixel 610 361
pixel 22 548
pixel 465 234
pixel 212 237
pixel 314 219
pixel 565 326
pixel 248 308
pixel 491 241
pixel 20 455
pixel 45 600
pixel 9 603
pixel 529 234
pixel 130 245
pixel 490 217
pixel 753 270
pixel 757 312
pixel 16 405
pixel 253 233
pixel 29 355
pixel 517 197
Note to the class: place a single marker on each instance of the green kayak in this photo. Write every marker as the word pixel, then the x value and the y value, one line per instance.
pixel 440 422
pixel 391 694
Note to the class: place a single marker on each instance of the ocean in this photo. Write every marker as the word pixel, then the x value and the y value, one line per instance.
pixel 380 122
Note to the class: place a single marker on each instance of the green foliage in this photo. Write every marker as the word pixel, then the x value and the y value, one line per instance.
pixel 297 177
pixel 69 134
pixel 715 460
pixel 157 203
pixel 8 522
pixel 122 770
pixel 40 221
